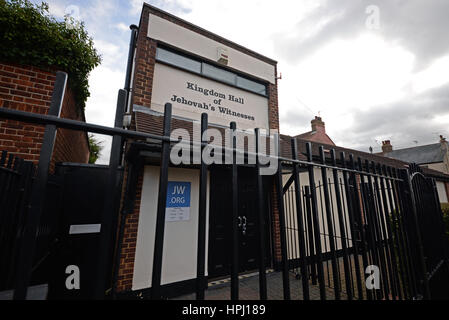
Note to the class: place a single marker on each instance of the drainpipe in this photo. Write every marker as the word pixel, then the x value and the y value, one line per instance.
pixel 129 72
pixel 129 66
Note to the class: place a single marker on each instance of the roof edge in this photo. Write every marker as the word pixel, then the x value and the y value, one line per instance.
pixel 226 41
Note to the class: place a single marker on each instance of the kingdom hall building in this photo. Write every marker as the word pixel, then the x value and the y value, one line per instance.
pixel 196 71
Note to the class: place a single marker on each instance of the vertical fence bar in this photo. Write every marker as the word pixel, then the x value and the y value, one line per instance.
pixel 201 254
pixel 25 186
pixel 368 197
pixel 325 235
pixel 161 204
pixel 407 232
pixel 386 228
pixel 358 209
pixel 375 214
pixel 8 217
pixel 330 228
pixel 398 188
pixel 310 234
pixel 234 216
pixel 282 226
pixel 343 235
pixel 395 235
pixel 28 245
pixel 382 235
pixel 352 226
pixel 261 223
pixel 316 223
pixel 299 215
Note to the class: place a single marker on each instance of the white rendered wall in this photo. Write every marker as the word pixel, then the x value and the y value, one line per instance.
pixel 180 238
pixel 171 33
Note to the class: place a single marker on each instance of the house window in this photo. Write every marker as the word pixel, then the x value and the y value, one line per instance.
pixel 210 71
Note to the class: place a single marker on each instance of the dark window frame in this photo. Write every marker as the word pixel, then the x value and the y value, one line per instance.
pixel 202 74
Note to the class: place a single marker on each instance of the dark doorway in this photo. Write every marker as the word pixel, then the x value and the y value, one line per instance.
pixel 220 211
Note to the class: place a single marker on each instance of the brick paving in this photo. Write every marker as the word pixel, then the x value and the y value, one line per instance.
pixel 249 289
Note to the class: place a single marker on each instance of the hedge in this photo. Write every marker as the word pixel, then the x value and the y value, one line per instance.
pixel 29 35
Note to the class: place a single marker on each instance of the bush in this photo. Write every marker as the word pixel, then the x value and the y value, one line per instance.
pixel 95 148
pixel 30 36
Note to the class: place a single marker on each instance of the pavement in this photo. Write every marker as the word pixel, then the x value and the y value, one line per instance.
pixel 249 288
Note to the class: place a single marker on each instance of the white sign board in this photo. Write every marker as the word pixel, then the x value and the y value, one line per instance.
pixel 191 95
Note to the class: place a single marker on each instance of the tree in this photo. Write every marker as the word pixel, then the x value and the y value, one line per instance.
pixel 95 148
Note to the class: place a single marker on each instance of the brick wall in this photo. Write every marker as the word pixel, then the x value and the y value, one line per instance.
pixel 129 242
pixel 142 86
pixel 29 89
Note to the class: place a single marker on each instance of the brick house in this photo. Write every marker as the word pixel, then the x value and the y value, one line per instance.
pixel 28 88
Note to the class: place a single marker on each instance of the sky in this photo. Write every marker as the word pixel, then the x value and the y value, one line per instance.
pixel 373 70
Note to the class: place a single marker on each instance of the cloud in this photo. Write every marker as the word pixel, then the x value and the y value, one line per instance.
pixel 421 117
pixel 418 26
pixel 122 27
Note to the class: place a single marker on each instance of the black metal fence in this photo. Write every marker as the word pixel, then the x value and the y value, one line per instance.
pixel 353 220
pixel 340 219
pixel 16 176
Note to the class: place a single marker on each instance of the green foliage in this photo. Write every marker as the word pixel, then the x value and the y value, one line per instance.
pixel 95 149
pixel 29 35
pixel 445 210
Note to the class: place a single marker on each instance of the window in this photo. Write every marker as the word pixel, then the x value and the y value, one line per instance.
pixel 218 74
pixel 210 71
pixel 251 85
pixel 178 60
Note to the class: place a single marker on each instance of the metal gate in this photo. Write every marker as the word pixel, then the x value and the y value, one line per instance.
pixel 346 217
pixel 432 257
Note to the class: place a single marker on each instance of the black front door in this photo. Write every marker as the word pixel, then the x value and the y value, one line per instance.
pixel 220 213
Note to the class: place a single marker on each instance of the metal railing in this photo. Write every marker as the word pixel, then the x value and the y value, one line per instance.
pixel 342 215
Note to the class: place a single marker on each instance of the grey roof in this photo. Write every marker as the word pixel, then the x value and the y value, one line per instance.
pixel 422 154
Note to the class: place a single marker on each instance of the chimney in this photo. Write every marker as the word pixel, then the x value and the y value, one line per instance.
pixel 318 125
pixel 443 142
pixel 386 146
